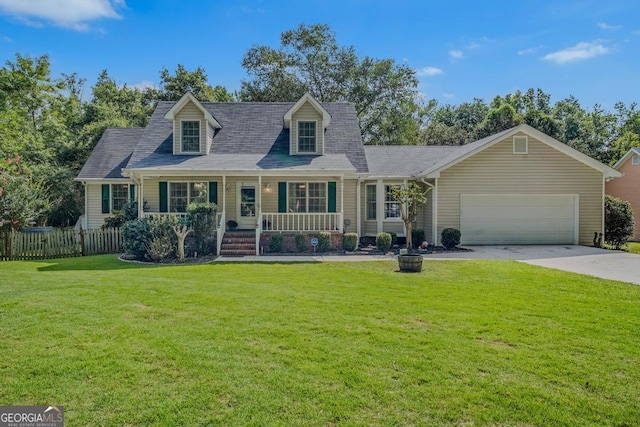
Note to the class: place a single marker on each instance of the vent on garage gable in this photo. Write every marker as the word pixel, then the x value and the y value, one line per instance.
pixel 520 144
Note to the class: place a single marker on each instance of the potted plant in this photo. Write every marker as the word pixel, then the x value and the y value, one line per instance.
pixel 232 225
pixel 410 197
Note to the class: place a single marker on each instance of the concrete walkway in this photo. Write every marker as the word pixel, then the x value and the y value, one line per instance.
pixel 602 263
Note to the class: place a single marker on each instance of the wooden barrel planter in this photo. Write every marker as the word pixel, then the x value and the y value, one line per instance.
pixel 410 263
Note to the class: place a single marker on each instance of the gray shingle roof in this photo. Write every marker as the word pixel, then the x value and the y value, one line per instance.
pixel 254 129
pixel 111 153
pixel 405 160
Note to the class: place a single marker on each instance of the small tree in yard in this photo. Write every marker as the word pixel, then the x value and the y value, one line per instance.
pixel 411 197
pixel 618 221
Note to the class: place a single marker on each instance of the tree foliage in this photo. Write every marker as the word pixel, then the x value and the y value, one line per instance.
pixel 411 197
pixel 309 59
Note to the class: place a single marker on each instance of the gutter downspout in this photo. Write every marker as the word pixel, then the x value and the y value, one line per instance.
pixel 434 209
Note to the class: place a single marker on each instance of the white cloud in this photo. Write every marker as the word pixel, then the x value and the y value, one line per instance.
pixel 579 52
pixel 145 84
pixel 473 45
pixel 7 39
pixel 605 26
pixel 529 51
pixel 448 95
pixel 456 54
pixel 636 32
pixel 428 72
pixel 73 14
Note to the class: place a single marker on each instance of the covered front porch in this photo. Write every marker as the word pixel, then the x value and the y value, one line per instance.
pixel 254 204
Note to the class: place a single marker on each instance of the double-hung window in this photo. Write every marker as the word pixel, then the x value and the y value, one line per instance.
pixel 391 205
pixel 371 202
pixel 191 136
pixel 307 197
pixel 306 137
pixel 119 196
pixel 183 193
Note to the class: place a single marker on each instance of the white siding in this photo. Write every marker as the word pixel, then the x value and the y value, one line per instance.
pixel 192 113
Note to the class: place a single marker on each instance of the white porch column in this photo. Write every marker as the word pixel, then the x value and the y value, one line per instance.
pixel 259 215
pixel 358 208
pixel 342 204
pixel 434 213
pixel 141 198
pixel 380 205
pixel 405 183
pixel 224 195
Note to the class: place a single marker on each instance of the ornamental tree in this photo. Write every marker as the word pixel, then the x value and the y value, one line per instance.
pixel 410 197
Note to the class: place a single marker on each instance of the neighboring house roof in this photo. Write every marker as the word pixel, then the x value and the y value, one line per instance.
pixel 402 161
pixel 469 150
pixel 256 129
pixel 111 153
pixel 632 152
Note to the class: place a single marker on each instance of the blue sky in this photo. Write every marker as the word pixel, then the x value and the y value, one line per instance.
pixel 460 49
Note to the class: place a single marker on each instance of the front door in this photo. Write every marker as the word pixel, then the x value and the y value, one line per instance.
pixel 247 205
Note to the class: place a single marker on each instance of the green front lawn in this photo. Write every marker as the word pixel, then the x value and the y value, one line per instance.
pixel 462 343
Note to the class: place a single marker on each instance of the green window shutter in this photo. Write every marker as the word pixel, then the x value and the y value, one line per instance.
pixel 282 197
pixel 132 192
pixel 105 198
pixel 332 196
pixel 213 192
pixel 164 199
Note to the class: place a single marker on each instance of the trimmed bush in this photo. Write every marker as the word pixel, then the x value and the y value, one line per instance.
pixel 417 237
pixel 324 241
pixel 276 242
pixel 383 241
pixel 394 238
pixel 350 242
pixel 450 237
pixel 301 242
pixel 137 236
pixel 618 221
pixel 161 249
pixel 203 222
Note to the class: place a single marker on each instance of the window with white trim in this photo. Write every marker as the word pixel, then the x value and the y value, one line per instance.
pixel 520 144
pixel 307 197
pixel 306 137
pixel 371 202
pixel 119 196
pixel 391 205
pixel 635 160
pixel 183 193
pixel 191 136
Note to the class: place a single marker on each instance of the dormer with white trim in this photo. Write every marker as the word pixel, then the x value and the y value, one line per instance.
pixel 306 121
pixel 193 126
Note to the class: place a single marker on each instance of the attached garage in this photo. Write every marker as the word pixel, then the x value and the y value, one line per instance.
pixel 529 219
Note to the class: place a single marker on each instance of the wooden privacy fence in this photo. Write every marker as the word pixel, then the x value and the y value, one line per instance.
pixel 59 243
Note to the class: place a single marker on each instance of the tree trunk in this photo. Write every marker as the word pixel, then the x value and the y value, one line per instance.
pixel 408 226
pixel 181 233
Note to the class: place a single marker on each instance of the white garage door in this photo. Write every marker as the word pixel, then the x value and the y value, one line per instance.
pixel 534 219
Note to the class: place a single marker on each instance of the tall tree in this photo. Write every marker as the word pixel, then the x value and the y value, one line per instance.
pixel 309 59
pixel 174 86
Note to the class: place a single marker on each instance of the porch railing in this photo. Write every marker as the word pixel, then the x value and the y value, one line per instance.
pixel 302 221
pixel 220 231
pixel 177 215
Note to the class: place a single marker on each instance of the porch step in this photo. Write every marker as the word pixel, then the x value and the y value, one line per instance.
pixel 238 243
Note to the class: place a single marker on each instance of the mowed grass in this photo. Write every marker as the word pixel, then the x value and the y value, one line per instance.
pixel 634 247
pixel 462 343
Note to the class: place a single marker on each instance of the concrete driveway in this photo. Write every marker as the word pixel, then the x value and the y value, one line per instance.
pixel 614 265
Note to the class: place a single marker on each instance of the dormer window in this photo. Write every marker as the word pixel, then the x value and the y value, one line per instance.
pixel 306 137
pixel 191 136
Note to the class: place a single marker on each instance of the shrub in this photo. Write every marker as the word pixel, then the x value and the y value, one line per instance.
pixel 450 237
pixel 161 249
pixel 115 220
pixel 137 236
pixel 129 212
pixel 383 241
pixel 350 242
pixel 276 242
pixel 618 221
pixel 417 237
pixel 161 227
pixel 324 241
pixel 301 242
pixel 394 238
pixel 202 217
